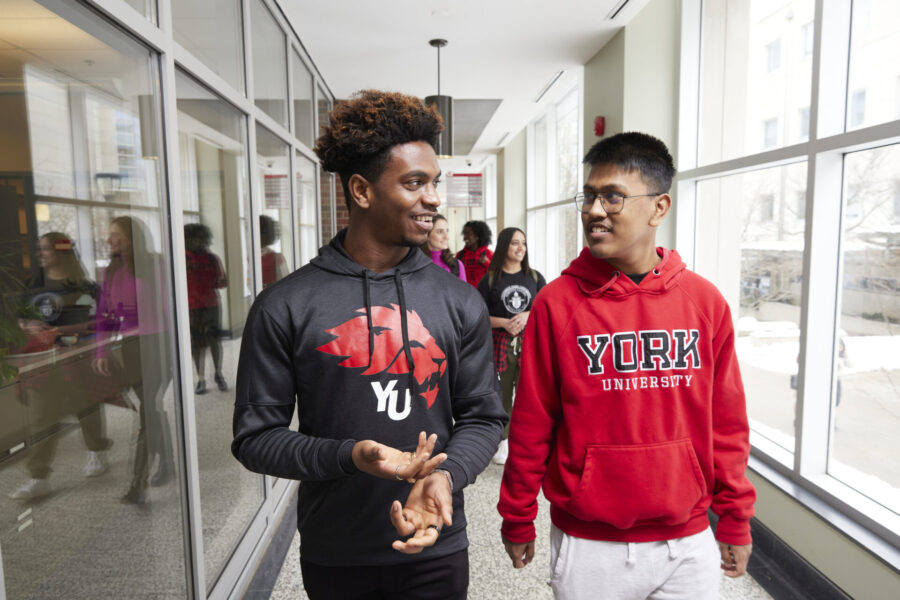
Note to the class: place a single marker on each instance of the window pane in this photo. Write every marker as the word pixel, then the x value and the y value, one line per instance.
pixel 269 63
pixel 750 240
pixel 539 197
pixel 866 413
pixel 307 223
pixel 334 213
pixel 551 243
pixel 874 47
pixel 276 232
pixel 213 154
pixel 303 100
pixel 212 30
pixel 145 7
pixel 567 155
pixel 89 461
pixel 755 76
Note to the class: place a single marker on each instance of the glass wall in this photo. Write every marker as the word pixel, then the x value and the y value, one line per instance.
pixel 800 236
pixel 216 204
pixel 108 415
pixel 90 464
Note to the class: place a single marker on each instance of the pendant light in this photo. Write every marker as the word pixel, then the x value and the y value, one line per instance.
pixel 444 106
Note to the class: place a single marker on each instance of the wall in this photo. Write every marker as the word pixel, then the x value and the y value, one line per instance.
pixel 511 199
pixel 604 80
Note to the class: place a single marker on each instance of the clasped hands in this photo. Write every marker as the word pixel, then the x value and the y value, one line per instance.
pixel 516 324
pixel 430 503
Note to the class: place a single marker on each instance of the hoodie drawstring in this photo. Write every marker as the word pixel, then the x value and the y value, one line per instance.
pixel 673 554
pixel 368 299
pixel 404 328
pixel 631 560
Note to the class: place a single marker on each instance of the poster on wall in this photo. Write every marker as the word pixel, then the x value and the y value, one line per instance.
pixel 464 189
pixel 276 191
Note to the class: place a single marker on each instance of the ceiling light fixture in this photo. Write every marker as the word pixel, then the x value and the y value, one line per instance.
pixel 502 139
pixel 616 10
pixel 444 106
pixel 548 85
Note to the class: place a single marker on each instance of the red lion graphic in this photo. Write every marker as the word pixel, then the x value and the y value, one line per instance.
pixel 352 341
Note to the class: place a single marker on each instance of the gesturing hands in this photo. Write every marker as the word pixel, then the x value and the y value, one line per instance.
pixel 389 463
pixel 428 508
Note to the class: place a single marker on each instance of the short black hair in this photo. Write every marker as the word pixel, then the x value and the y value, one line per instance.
pixel 481 230
pixel 361 132
pixel 269 230
pixel 632 151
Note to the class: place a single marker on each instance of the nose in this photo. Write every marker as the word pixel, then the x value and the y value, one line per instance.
pixel 430 196
pixel 597 208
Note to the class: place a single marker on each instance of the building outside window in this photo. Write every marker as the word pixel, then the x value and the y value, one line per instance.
pixel 773 56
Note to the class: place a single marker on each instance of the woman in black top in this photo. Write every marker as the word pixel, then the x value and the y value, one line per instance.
pixel 509 289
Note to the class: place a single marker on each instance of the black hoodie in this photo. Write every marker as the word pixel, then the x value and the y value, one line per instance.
pixel 366 355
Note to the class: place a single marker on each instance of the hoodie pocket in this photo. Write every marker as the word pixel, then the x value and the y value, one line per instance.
pixel 638 485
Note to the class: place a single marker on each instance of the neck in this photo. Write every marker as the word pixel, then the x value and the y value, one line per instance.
pixel 512 266
pixel 637 267
pixel 374 256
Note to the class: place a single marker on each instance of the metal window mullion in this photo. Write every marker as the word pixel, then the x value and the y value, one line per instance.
pixel 689 85
pixel 125 16
pixel 529 170
pixel 191 500
pixel 199 70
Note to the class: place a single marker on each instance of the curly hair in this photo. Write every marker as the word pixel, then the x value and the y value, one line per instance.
pixel 481 230
pixel 362 131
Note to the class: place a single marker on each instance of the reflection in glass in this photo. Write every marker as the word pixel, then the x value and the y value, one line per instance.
pixel 761 277
pixel 212 30
pixel 866 402
pixel 305 185
pixel 269 63
pixel 333 211
pixel 303 100
pixel 275 228
pixel 89 464
pixel 214 186
pixel 755 76
pixel 874 46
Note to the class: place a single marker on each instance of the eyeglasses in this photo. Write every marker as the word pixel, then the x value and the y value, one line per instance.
pixel 612 202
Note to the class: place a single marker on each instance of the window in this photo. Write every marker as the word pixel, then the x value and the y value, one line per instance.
pixel 786 249
pixel 770 133
pixel 555 177
pixel 773 56
pixel 303 100
pixel 857 111
pixel 213 31
pixel 804 124
pixel 807 36
pixel 269 63
pixel 746 78
pixel 276 228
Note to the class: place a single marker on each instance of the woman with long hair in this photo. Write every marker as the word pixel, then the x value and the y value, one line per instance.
pixel 509 288
pixel 63 296
pixel 476 255
pixel 130 306
pixel 437 246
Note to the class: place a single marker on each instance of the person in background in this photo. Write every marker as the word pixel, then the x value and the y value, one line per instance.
pixel 131 313
pixel 509 289
pixel 274 265
pixel 476 255
pixel 630 410
pixel 205 276
pixel 437 247
pixel 64 296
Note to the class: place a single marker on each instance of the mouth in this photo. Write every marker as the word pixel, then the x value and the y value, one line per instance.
pixel 424 222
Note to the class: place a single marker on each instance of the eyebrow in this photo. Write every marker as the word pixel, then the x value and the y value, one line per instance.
pixel 611 187
pixel 421 174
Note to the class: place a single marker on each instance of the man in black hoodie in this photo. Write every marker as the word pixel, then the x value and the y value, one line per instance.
pixel 374 344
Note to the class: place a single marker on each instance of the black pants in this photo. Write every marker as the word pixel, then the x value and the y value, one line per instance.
pixel 444 578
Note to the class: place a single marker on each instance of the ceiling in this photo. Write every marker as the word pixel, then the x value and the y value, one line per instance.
pixel 501 52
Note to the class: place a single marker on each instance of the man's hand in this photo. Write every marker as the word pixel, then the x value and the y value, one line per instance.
pixel 734 558
pixel 521 554
pixel 100 366
pixel 428 508
pixel 389 463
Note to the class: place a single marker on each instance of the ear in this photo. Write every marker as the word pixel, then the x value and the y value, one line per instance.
pixel 661 206
pixel 361 192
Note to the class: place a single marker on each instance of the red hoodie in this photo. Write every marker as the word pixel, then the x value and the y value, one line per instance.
pixel 630 409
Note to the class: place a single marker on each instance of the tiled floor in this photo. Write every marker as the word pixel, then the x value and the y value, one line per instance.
pixel 492 575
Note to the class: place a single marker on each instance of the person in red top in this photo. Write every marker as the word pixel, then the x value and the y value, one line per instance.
pixel 205 276
pixel 630 410
pixel 476 256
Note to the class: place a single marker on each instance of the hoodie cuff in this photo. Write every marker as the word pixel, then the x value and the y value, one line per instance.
pixel 518 532
pixel 345 457
pixel 733 531
pixel 457 474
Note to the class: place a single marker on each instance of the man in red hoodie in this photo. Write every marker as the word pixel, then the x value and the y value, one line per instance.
pixel 630 410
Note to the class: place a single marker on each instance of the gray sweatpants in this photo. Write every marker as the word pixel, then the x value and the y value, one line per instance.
pixel 681 569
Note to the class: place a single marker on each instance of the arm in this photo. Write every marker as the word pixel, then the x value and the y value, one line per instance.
pixel 264 404
pixel 733 494
pixel 462 269
pixel 534 418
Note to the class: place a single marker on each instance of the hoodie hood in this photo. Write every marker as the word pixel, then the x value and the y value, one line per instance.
pixel 596 277
pixel 334 259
